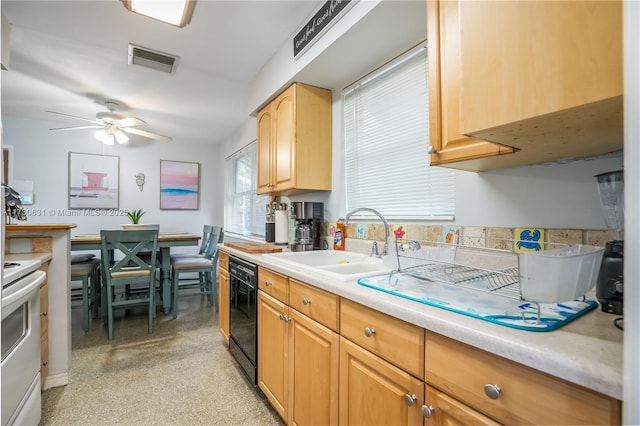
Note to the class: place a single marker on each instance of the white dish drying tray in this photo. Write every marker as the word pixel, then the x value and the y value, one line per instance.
pixel 560 273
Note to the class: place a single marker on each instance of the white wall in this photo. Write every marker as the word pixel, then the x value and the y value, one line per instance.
pixel 41 156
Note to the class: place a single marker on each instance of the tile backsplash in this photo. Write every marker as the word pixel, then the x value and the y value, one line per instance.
pixel 478 236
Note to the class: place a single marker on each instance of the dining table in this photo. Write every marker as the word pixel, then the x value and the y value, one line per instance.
pixel 166 240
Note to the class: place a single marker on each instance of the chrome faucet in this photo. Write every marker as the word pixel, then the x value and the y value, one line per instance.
pixel 385 249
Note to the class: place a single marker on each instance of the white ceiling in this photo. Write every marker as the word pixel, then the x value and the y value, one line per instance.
pixel 69 56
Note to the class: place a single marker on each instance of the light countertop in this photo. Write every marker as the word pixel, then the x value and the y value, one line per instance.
pixel 587 351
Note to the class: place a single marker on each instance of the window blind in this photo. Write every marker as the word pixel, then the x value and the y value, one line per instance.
pixel 244 210
pixel 386 133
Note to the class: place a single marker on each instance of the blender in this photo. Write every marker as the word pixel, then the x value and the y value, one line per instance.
pixel 610 281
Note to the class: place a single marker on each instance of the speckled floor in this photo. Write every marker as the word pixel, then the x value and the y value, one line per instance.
pixel 182 374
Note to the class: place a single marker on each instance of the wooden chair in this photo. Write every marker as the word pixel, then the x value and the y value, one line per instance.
pixel 204 265
pixel 123 265
pixel 87 272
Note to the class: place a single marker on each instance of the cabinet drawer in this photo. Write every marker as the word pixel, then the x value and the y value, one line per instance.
pixel 274 284
pixel 526 395
pixel 315 303
pixel 395 340
pixel 223 261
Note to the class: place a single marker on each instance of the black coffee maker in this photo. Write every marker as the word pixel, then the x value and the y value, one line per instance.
pixel 610 279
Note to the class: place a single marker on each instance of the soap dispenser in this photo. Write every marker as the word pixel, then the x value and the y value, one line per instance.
pixel 339 236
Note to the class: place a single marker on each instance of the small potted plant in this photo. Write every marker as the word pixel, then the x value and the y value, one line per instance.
pixel 135 216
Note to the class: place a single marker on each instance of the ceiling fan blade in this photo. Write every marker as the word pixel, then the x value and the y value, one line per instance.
pixel 96 126
pixel 147 134
pixel 74 116
pixel 129 122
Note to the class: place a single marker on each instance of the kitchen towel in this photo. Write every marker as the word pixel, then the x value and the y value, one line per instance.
pixel 282 227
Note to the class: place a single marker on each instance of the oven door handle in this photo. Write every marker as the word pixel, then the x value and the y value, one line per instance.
pixel 34 280
pixel 248 284
pixel 245 269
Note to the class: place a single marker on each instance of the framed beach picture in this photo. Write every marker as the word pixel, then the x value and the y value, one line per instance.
pixel 93 181
pixel 179 185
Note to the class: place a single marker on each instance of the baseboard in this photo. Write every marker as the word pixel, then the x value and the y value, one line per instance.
pixel 56 381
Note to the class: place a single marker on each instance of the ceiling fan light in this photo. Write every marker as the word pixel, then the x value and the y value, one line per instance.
pixel 174 12
pixel 105 137
pixel 121 137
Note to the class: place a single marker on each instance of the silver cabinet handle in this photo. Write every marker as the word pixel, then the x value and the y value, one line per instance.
pixel 431 150
pixel 492 391
pixel 410 399
pixel 369 331
pixel 268 283
pixel 284 318
pixel 427 411
pixel 306 301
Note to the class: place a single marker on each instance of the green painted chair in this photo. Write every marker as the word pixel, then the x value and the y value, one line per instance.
pixel 203 264
pixel 123 265
pixel 207 233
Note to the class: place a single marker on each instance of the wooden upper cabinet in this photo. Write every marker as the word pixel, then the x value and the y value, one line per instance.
pixel 544 78
pixel 443 44
pixel 525 59
pixel 294 141
pixel 264 150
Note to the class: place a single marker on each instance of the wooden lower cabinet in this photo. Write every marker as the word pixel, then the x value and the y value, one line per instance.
pixel 298 364
pixel 223 303
pixel 44 328
pixel 520 395
pixel 440 409
pixel 314 359
pixel 373 391
pixel 273 352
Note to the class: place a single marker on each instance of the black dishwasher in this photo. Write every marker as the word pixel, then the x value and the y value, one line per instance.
pixel 243 314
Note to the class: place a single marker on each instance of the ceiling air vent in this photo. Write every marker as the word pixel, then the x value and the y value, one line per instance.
pixel 150 58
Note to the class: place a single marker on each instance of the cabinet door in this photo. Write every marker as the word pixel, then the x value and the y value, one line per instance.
pixel 284 140
pixel 372 391
pixel 449 143
pixel 526 59
pixel 264 148
pixel 441 410
pixel 273 370
pixel 314 356
pixel 44 308
pixel 44 359
pixel 223 303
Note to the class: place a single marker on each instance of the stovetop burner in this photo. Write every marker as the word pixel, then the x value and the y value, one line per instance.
pixel 11 264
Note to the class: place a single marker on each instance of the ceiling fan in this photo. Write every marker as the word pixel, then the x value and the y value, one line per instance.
pixel 113 127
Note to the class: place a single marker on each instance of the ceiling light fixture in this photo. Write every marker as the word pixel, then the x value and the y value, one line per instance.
pixel 174 12
pixel 110 134
pixel 104 136
pixel 121 137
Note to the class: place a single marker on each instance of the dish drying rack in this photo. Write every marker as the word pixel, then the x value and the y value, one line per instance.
pixel 559 273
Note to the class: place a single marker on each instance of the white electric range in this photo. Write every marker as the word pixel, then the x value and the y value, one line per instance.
pixel 21 402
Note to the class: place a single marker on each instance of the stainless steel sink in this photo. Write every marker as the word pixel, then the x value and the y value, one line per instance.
pixel 340 265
